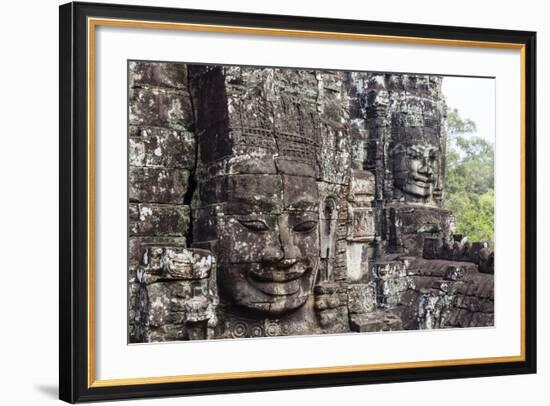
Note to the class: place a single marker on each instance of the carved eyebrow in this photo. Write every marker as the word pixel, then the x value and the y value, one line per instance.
pixel 272 200
pixel 417 149
pixel 302 215
pixel 421 149
pixel 248 207
pixel 303 204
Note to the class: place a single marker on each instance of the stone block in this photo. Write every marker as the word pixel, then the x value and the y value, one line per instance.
pixel 155 146
pixel 157 185
pixel 334 320
pixel 432 248
pixel 253 193
pixel 408 226
pixel 361 224
pixel 165 220
pixel 488 306
pixel 482 320
pixel 331 163
pixel 165 332
pixel 138 245
pixel 440 268
pixel 361 298
pixel 134 315
pixel 463 318
pixel 454 273
pixel 167 263
pixel 361 186
pixel 295 168
pixel 300 193
pixel 243 163
pixel 376 321
pixel 157 304
pixel 160 108
pixel 357 261
pixel 328 289
pixel 158 74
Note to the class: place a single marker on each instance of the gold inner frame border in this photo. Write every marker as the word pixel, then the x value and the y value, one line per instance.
pixel 92 23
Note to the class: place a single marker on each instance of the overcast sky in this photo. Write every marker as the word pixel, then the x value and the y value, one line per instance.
pixel 475 99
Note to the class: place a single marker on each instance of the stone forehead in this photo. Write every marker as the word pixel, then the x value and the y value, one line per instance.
pixel 255 189
pixel 263 191
pixel 415 135
pixel 300 193
pixel 260 162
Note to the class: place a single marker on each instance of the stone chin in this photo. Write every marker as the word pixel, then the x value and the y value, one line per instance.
pixel 419 189
pixel 279 305
pixel 271 292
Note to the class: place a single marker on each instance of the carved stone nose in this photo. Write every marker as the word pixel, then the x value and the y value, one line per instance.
pixel 273 255
pixel 426 168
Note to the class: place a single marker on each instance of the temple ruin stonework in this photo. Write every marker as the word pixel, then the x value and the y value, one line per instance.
pixel 276 201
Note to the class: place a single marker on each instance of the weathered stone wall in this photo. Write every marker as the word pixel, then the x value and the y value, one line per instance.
pixel 161 160
pixel 230 166
pixel 425 294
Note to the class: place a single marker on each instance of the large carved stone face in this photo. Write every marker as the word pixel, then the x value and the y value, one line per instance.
pixel 268 244
pixel 415 169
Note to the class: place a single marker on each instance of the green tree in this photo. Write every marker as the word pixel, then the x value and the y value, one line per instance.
pixel 469 183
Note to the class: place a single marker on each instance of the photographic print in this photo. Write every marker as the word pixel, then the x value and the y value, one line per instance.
pixel 268 202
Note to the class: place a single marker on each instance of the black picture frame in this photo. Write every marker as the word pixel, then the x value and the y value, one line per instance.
pixel 74 379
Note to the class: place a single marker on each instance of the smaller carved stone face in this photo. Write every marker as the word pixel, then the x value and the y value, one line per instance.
pixel 415 169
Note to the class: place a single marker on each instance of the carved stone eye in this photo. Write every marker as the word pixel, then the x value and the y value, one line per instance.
pixel 305 227
pixel 254 225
